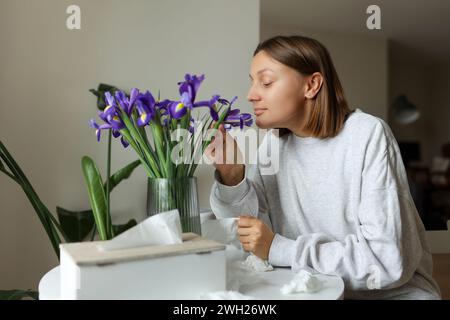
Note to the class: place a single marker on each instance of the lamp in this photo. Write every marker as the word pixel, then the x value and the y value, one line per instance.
pixel 404 112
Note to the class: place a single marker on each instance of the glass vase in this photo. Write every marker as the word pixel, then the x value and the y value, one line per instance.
pixel 165 194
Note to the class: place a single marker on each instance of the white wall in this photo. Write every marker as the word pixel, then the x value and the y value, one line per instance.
pixel 46 71
pixel 361 63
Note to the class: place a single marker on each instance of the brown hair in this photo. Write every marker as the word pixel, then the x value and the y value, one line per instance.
pixel 307 56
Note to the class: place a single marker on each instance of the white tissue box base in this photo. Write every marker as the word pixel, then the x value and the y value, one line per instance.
pixel 185 276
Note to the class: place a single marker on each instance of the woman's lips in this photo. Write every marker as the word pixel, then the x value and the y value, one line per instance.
pixel 259 111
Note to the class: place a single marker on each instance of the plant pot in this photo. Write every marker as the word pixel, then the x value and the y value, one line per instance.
pixel 164 194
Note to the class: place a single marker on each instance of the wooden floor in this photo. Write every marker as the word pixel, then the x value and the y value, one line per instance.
pixel 441 273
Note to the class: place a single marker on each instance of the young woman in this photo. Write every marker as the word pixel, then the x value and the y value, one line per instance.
pixel 340 203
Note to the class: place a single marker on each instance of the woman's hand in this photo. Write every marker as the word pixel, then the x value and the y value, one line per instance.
pixel 255 236
pixel 223 145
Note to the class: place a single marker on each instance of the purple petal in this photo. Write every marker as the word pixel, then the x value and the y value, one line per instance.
pixel 186 99
pixel 123 101
pixel 133 96
pixel 177 110
pixel 110 99
pixel 115 133
pixel 124 142
pixel 213 114
pixel 93 124
pixel 223 101
pixel 233 100
pixel 234 112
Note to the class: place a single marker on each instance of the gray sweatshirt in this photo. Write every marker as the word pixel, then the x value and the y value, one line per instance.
pixel 339 206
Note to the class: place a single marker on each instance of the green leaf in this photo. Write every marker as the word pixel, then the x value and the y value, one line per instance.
pixel 122 174
pixel 76 224
pixel 44 215
pixel 118 229
pixel 18 294
pixel 97 196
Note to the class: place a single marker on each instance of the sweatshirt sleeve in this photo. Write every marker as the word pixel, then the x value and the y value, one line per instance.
pixel 246 198
pixel 385 250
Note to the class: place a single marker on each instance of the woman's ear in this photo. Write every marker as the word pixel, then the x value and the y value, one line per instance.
pixel 313 85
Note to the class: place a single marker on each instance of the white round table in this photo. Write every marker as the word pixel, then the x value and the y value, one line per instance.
pixel 266 287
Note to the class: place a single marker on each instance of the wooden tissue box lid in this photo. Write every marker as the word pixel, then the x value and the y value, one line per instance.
pixel 87 253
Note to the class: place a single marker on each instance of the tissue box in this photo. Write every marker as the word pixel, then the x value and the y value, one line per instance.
pixel 175 271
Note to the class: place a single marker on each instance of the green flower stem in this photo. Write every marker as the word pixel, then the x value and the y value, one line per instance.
pixel 137 137
pixel 141 156
pixel 158 139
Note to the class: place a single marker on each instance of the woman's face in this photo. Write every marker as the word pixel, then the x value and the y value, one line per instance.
pixel 277 94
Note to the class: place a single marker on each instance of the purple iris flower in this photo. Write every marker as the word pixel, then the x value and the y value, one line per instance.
pixel 124 142
pixel 114 120
pixel 211 104
pixel 163 106
pixel 177 109
pixel 145 105
pixel 189 87
pixel 234 118
pixel 126 103
pixel 98 128
pixel 226 102
pixel 244 119
pixel 111 113
pixel 188 91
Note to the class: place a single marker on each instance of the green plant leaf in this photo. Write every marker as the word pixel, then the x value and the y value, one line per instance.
pixel 18 294
pixel 118 229
pixel 76 224
pixel 97 196
pixel 44 215
pixel 121 174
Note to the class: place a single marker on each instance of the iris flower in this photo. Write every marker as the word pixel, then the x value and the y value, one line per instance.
pixel 126 103
pixel 111 116
pixel 234 118
pixel 211 104
pixel 145 105
pixel 98 128
pixel 188 91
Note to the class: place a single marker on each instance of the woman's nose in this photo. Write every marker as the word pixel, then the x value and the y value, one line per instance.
pixel 252 95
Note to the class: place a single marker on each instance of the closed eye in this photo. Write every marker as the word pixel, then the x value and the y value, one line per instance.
pixel 267 84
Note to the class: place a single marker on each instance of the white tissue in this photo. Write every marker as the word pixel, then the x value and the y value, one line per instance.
pixel 304 281
pixel 222 230
pixel 240 276
pixel 162 228
pixel 225 295
pixel 257 264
